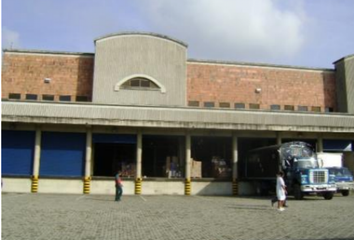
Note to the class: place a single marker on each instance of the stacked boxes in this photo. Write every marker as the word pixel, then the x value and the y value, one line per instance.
pixel 196 169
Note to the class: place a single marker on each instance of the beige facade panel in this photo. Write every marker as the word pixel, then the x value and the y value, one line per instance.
pixel 345 84
pixel 184 118
pixel 119 58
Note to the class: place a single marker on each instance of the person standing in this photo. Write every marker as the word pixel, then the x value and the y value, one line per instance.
pixel 119 186
pixel 281 191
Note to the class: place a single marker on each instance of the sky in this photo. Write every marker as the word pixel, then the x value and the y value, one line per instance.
pixel 309 33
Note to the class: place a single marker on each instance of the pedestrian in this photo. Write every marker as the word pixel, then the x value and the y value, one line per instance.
pixel 281 191
pixel 119 186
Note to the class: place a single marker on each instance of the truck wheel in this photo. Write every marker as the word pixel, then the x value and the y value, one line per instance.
pixel 297 192
pixel 345 193
pixel 328 195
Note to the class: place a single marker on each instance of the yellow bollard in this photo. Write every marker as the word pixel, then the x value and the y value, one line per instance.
pixel 34 184
pixel 138 183
pixel 187 187
pixel 235 187
pixel 87 181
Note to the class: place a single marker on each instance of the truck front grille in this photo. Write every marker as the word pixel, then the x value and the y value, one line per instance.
pixel 318 176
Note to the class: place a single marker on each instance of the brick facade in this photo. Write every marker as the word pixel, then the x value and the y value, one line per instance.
pixel 224 85
pixel 279 86
pixel 69 75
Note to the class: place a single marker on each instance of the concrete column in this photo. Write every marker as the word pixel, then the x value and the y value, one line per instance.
pixel 188 156
pixel 234 157
pixel 278 138
pixel 320 143
pixel 139 153
pixel 279 141
pixel 37 152
pixel 88 157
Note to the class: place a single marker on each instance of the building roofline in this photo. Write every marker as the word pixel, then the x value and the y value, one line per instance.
pixel 191 60
pixel 143 34
pixel 170 117
pixel 35 51
pixel 344 58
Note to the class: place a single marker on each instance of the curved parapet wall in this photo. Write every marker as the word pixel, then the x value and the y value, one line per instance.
pixel 140 69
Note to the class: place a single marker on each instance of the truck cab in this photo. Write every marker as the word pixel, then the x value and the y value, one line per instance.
pixel 306 177
pixel 343 178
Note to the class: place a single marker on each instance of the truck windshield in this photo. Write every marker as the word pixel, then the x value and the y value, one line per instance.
pixel 305 163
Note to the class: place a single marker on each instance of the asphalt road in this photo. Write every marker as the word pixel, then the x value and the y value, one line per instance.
pixel 54 216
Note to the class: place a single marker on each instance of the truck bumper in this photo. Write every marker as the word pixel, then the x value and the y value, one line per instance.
pixel 345 186
pixel 319 188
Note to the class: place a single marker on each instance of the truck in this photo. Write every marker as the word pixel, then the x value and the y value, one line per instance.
pixel 302 173
pixel 343 177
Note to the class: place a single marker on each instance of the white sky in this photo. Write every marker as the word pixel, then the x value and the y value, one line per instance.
pixel 308 33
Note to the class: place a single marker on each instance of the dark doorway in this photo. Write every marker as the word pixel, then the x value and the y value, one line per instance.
pixel 247 144
pixel 111 157
pixel 163 156
pixel 215 155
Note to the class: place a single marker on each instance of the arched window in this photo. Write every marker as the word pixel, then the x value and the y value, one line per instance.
pixel 140 82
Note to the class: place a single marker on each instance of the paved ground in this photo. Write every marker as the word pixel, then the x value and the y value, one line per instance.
pixel 49 216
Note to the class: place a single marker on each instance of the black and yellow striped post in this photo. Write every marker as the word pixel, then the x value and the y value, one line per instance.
pixel 34 188
pixel 187 187
pixel 138 182
pixel 87 182
pixel 235 187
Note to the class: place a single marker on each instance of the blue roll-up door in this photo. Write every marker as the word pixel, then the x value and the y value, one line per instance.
pixel 17 149
pixel 114 138
pixel 62 154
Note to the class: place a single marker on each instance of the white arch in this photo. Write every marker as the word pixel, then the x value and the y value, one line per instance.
pixel 121 82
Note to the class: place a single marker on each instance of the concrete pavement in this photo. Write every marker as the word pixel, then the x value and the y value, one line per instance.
pixel 54 216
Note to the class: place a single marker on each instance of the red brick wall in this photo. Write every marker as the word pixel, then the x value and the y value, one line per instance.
pixel 24 73
pixel 237 84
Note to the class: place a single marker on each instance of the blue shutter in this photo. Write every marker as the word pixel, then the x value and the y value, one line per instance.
pixel 17 149
pixel 62 154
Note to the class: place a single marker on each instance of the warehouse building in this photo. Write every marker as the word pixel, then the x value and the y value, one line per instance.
pixel 172 125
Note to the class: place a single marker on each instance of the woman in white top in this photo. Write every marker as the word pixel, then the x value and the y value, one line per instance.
pixel 281 191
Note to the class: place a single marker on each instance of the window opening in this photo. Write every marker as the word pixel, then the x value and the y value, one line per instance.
pixel 316 109
pixel 302 108
pixel 47 97
pixel 329 109
pixel 209 104
pixel 82 99
pixel 275 107
pixel 224 105
pixel 65 98
pixel 193 103
pixel 16 96
pixel 31 97
pixel 254 106
pixel 289 107
pixel 140 83
pixel 240 105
